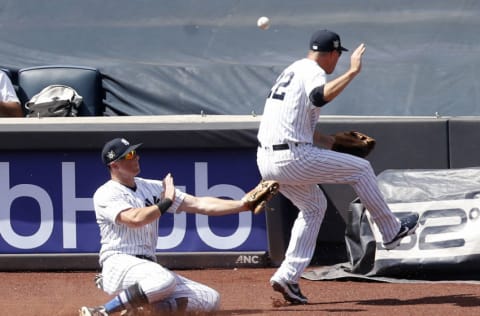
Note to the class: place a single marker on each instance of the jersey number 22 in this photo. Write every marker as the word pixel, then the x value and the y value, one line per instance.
pixel 278 90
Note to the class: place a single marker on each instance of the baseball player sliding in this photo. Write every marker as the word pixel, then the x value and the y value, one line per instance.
pixel 290 152
pixel 128 209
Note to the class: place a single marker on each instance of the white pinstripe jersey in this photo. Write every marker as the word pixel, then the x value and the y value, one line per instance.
pixel 112 198
pixel 289 115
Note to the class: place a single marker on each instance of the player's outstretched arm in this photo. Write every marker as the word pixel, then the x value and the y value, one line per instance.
pixel 254 200
pixel 335 87
pixel 211 206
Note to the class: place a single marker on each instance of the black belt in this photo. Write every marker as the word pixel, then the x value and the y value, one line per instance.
pixel 145 257
pixel 280 146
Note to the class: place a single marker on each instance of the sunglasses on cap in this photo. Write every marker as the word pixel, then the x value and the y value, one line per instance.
pixel 130 155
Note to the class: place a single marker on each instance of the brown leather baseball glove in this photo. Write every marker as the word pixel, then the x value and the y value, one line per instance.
pixel 354 143
pixel 258 197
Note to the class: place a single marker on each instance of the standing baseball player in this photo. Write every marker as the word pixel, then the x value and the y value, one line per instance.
pixel 128 209
pixel 293 152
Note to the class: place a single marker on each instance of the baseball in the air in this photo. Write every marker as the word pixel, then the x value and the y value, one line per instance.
pixel 263 22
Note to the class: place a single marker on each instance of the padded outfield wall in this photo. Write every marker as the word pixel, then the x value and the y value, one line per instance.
pixel 50 168
pixel 160 57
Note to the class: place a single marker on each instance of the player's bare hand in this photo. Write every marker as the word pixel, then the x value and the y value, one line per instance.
pixel 168 187
pixel 356 59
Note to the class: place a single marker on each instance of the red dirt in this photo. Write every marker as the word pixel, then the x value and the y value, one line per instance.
pixel 247 292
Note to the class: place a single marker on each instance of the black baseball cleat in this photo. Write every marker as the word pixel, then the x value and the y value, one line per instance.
pixel 408 225
pixel 290 291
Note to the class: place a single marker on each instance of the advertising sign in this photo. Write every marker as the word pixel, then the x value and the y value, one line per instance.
pixel 46 203
pixel 447 229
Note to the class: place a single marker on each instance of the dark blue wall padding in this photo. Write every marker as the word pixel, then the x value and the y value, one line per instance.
pixel 464 142
pixel 85 80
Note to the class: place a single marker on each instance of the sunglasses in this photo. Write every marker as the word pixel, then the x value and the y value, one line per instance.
pixel 130 155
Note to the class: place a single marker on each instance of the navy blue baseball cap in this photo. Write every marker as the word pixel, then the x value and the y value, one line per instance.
pixel 326 41
pixel 117 149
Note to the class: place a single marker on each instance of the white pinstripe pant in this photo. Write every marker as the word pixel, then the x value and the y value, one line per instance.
pixel 161 286
pixel 299 171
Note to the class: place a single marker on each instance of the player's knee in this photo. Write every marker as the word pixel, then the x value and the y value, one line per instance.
pixel 157 288
pixel 315 207
pixel 363 166
pixel 317 202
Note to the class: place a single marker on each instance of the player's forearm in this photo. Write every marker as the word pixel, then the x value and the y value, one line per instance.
pixel 137 217
pixel 10 109
pixel 212 206
pixel 333 88
pixel 322 140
